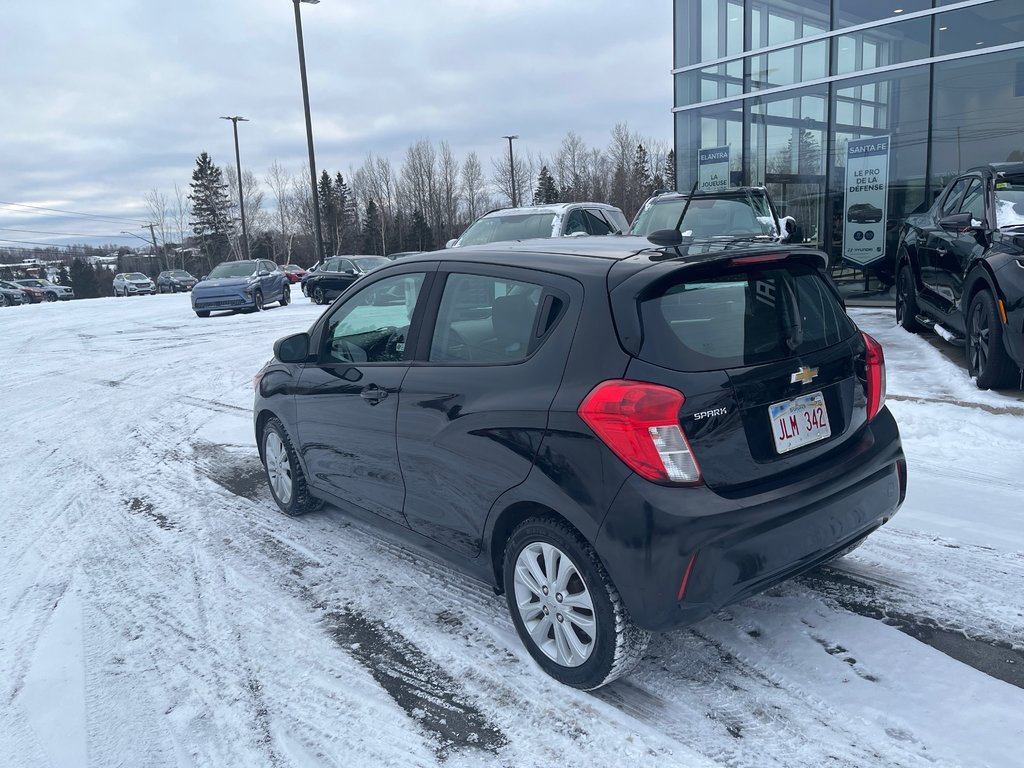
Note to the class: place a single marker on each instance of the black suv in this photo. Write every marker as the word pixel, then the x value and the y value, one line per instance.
pixel 622 438
pixel 960 270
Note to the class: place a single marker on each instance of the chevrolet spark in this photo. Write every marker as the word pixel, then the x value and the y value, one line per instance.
pixel 621 438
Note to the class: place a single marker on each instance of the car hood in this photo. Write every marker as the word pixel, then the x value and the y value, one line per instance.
pixel 223 282
pixel 147 281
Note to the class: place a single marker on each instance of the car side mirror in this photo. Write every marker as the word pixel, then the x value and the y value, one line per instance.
pixel 793 232
pixel 292 349
pixel 350 271
pixel 957 222
pixel 451 243
pixel 666 237
pixel 264 273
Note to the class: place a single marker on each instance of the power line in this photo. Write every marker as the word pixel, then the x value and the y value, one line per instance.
pixel 58 234
pixel 73 213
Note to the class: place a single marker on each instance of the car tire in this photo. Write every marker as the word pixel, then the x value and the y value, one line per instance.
pixel 4 301
pixel 286 296
pixel 51 296
pixel 318 296
pixel 987 361
pixel 906 301
pixel 591 641
pixel 257 301
pixel 284 475
pixel 202 313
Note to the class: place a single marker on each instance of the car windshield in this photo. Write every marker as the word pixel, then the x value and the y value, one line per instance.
pixel 34 283
pixel 508 226
pixel 369 263
pixel 135 276
pixel 738 215
pixel 291 267
pixel 233 269
pixel 1010 202
pixel 179 273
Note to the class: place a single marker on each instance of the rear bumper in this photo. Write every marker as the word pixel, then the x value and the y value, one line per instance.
pixel 740 544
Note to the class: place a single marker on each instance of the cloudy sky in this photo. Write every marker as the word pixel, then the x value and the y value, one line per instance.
pixel 107 101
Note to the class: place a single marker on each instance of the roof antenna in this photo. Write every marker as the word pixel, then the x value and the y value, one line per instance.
pixel 673 238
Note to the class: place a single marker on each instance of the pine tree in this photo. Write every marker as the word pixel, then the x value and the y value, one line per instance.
pixel 210 221
pixel 63 276
pixel 328 213
pixel 669 172
pixel 640 185
pixel 371 229
pixel 423 237
pixel 546 191
pixel 104 280
pixel 83 280
pixel 348 218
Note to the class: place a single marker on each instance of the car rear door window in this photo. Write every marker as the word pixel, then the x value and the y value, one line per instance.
pixel 372 326
pixel 740 318
pixel 596 223
pixel 485 319
pixel 974 201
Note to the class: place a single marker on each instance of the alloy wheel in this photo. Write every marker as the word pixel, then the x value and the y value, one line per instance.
pixel 279 470
pixel 978 340
pixel 555 604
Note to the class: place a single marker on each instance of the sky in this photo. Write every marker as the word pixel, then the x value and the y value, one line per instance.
pixel 108 101
pixel 158 610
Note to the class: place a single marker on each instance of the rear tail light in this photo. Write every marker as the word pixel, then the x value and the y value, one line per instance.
pixel 875 374
pixel 639 422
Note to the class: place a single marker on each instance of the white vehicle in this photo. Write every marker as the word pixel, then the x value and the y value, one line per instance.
pixel 132 284
pixel 555 220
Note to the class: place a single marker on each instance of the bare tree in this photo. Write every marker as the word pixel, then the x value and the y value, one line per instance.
pixel 473 190
pixel 570 169
pixel 281 185
pixel 157 207
pixel 448 183
pixel 182 214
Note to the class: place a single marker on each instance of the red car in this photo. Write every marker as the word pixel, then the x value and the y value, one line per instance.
pixel 32 295
pixel 293 271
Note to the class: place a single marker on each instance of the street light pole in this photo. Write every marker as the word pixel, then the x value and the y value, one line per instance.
pixel 238 166
pixel 511 167
pixel 309 130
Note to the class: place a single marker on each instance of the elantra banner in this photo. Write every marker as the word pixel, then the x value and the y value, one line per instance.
pixel 867 187
pixel 713 168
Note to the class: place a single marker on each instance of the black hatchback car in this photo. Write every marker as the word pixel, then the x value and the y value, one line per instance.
pixel 621 438
pixel 960 270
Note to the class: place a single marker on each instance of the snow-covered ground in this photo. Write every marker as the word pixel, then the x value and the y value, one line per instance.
pixel 156 610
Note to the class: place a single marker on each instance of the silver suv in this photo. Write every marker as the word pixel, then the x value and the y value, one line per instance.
pixel 746 213
pixel 554 220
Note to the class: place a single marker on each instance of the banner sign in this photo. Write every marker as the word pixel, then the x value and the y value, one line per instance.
pixel 867 187
pixel 712 168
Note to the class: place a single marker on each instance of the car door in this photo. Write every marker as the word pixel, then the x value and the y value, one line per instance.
pixel 346 403
pixel 966 244
pixel 472 414
pixel 271 283
pixel 933 250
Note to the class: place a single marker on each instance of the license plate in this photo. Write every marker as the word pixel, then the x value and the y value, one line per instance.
pixel 798 422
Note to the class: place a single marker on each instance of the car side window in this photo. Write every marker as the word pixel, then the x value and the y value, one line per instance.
pixel 952 201
pixel 373 325
pixel 485 319
pixel 575 223
pixel 345 264
pixel 596 223
pixel 974 201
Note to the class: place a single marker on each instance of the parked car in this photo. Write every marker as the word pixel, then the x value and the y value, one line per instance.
pixel 620 437
pixel 960 271
pixel 51 291
pixel 338 273
pixel 241 286
pixel 556 220
pixel 293 272
pixel 132 284
pixel 11 295
pixel 737 212
pixel 28 295
pixel 174 280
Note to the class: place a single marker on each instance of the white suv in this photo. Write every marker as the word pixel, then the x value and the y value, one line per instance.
pixel 554 220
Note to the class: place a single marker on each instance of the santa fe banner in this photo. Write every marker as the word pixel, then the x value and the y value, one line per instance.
pixel 867 185
pixel 713 168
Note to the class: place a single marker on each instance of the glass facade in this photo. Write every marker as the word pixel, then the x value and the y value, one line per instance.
pixel 787 85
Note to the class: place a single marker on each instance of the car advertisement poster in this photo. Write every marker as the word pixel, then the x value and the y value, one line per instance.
pixel 867 186
pixel 713 168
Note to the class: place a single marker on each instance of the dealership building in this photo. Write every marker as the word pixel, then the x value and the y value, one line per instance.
pixel 853 113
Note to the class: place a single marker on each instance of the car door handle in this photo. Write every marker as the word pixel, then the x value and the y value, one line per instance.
pixel 941 251
pixel 373 394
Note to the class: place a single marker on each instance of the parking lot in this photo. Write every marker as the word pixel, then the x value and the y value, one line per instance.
pixel 160 611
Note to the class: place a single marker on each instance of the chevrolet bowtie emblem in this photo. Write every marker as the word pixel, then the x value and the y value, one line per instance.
pixel 805 375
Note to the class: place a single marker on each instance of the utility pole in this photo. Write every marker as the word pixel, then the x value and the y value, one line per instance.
pixel 511 168
pixel 152 234
pixel 309 131
pixel 238 165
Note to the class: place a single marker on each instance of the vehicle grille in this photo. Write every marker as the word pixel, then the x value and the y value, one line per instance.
pixel 220 303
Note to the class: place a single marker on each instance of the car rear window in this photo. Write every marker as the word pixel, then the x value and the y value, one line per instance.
pixel 510 226
pixel 746 316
